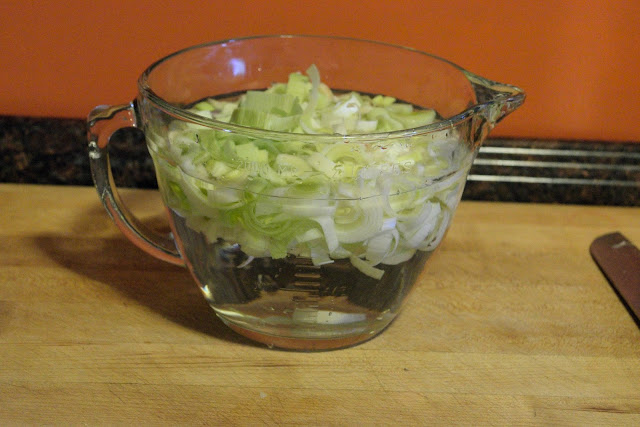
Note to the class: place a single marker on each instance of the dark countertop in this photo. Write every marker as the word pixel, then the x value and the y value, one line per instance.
pixel 53 151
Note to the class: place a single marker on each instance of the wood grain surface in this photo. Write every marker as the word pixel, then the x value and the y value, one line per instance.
pixel 512 323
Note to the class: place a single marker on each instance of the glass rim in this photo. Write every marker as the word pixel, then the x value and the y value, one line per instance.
pixel 185 115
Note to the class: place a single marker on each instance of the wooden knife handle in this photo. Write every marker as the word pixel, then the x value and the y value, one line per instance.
pixel 619 260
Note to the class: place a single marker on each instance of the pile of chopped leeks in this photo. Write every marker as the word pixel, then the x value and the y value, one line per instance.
pixel 374 202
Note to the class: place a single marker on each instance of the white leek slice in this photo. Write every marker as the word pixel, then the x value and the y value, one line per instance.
pixel 319 255
pixel 329 230
pixel 366 268
pixel 380 246
pixel 401 254
pixel 322 164
pixel 440 231
pixel 356 221
pixel 366 126
pixel 340 253
pixel 309 235
pixel 415 233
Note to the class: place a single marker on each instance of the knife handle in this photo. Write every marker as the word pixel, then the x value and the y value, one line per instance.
pixel 619 260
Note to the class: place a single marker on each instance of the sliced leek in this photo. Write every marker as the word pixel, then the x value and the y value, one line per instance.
pixel 373 203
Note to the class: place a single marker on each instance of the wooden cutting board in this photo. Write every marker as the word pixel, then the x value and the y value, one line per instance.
pixel 511 323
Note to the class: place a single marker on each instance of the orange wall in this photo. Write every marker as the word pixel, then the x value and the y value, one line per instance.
pixel 579 61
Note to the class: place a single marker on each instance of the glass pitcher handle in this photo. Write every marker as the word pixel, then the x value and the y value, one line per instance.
pixel 102 123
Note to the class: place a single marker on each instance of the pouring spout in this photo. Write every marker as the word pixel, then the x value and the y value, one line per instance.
pixel 495 100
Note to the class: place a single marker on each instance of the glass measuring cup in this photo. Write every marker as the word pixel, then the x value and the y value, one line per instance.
pixel 301 241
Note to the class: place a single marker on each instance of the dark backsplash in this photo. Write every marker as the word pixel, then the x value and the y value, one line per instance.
pixel 53 151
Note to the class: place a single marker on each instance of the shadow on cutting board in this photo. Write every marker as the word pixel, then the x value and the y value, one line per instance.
pixel 164 288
